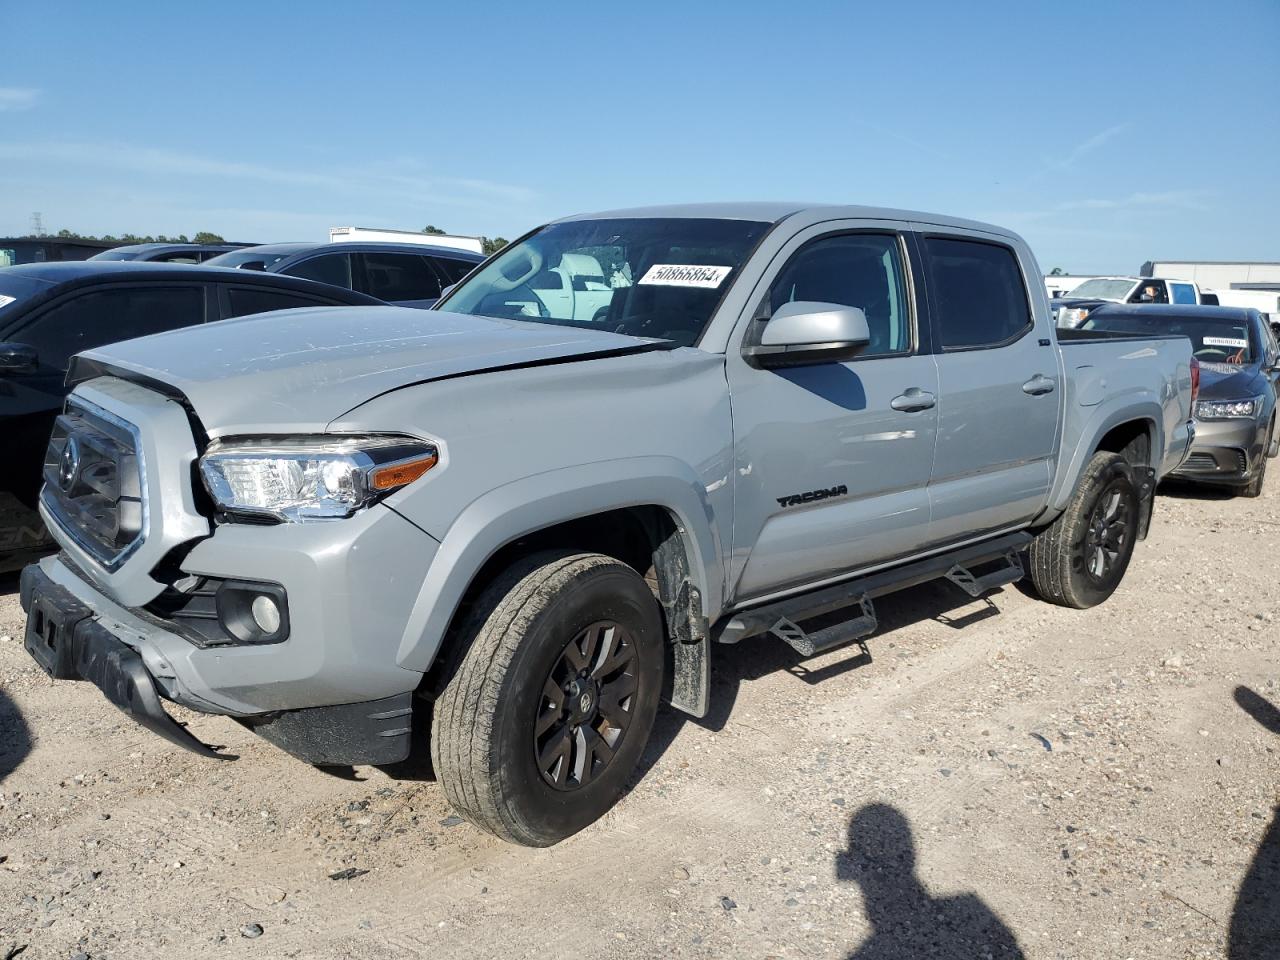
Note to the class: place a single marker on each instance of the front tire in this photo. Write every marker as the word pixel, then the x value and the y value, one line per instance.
pixel 543 722
pixel 1079 559
pixel 1254 487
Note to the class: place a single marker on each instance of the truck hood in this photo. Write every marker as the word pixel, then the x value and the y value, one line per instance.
pixel 298 370
pixel 1229 381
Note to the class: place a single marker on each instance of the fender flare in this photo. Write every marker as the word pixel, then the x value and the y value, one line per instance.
pixel 1102 419
pixel 544 500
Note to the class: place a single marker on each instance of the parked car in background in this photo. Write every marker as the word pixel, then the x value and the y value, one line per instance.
pixel 515 514
pixel 1239 371
pixel 411 275
pixel 48 312
pixel 169 252
pixel 375 234
pixel 1072 309
pixel 18 250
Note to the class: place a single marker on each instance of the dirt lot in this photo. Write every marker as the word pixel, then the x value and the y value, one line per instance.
pixel 994 776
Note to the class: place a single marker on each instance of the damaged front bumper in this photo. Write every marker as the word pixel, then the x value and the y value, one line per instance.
pixel 70 641
pixel 65 639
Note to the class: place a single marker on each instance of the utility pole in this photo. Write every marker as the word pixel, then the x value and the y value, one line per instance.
pixel 37 225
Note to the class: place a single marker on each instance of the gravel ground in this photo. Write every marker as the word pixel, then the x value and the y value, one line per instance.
pixel 993 776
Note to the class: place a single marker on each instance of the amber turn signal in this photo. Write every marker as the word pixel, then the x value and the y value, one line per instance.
pixel 398 474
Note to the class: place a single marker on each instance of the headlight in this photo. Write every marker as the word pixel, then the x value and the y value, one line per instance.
pixel 1072 316
pixel 1228 409
pixel 311 478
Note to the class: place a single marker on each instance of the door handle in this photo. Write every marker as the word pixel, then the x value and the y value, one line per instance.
pixel 913 399
pixel 1039 384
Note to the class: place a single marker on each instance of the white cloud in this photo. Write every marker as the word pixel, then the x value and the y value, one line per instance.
pixel 406 180
pixel 1077 152
pixel 1086 147
pixel 1166 200
pixel 18 98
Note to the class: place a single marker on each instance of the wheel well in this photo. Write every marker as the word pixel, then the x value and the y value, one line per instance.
pixel 646 538
pixel 1132 440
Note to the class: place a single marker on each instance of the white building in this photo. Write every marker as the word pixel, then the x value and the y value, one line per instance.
pixel 1218 274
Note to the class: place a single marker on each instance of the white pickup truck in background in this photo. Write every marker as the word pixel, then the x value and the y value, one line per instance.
pixel 1073 309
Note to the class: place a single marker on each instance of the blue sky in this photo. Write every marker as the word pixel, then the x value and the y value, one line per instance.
pixel 1106 133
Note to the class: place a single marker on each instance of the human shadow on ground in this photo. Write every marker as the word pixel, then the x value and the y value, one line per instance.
pixel 1254 932
pixel 907 921
pixel 15 738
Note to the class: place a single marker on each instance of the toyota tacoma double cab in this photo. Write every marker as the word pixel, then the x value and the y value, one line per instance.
pixel 525 525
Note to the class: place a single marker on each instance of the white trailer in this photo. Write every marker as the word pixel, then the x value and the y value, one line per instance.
pixel 470 244
pixel 1217 274
pixel 1265 301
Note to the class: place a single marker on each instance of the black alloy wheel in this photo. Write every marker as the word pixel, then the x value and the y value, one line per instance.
pixel 586 706
pixel 1110 525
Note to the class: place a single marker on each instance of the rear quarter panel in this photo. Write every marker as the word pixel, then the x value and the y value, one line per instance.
pixel 1114 381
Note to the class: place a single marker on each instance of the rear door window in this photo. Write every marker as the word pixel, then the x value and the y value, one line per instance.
pixel 400 276
pixel 451 270
pixel 332 268
pixel 245 300
pixel 95 317
pixel 979 296
pixel 1183 292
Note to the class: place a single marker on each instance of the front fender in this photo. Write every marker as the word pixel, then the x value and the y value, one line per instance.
pixel 535 503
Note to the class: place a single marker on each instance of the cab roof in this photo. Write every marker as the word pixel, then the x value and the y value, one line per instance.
pixel 777 211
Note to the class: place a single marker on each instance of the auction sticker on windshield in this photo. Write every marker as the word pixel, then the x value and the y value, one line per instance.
pixel 685 275
pixel 1225 342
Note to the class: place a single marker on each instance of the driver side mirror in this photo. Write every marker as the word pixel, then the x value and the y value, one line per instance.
pixel 17 358
pixel 808 332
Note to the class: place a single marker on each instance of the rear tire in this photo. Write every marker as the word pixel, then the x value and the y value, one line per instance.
pixel 545 718
pixel 1079 559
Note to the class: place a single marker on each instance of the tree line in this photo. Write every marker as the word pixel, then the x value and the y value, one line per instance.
pixel 490 245
pixel 203 236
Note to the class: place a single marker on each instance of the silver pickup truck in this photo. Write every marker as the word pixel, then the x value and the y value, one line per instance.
pixel 523 523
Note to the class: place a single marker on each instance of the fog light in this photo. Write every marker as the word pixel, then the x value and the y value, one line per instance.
pixel 266 614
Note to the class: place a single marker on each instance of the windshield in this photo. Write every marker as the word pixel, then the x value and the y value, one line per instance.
pixel 117 255
pixel 15 290
pixel 644 277
pixel 1103 289
pixel 1213 339
pixel 238 258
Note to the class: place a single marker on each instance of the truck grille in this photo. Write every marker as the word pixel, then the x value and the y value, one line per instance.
pixel 93 482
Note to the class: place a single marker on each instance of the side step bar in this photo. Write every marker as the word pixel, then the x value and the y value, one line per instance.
pixel 783 617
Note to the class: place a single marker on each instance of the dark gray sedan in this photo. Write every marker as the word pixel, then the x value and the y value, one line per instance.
pixel 1239 370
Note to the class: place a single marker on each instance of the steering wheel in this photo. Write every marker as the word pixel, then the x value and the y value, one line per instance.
pixel 1210 353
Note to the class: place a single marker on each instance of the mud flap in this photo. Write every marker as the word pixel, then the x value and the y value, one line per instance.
pixel 1144 480
pixel 691 677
